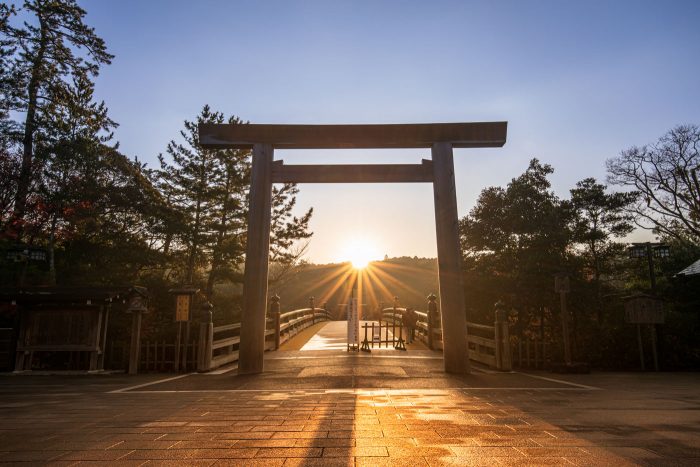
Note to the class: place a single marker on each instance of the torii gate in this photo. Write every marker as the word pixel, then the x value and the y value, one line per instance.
pixel 440 137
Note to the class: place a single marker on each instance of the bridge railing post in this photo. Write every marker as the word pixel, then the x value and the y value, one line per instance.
pixel 393 315
pixel 275 315
pixel 206 338
pixel 432 314
pixel 502 338
pixel 312 305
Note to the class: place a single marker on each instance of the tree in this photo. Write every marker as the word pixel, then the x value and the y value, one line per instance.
pixel 599 218
pixel 45 59
pixel 7 49
pixel 192 184
pixel 210 189
pixel 665 174
pixel 71 156
pixel 514 240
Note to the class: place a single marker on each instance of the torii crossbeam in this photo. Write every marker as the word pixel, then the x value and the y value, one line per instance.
pixel 440 137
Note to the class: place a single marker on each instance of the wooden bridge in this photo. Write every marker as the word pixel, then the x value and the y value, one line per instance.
pixel 490 345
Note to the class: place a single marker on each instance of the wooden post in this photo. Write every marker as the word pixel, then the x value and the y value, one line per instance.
pixel 178 344
pixel 312 305
pixel 454 320
pixel 527 352
pixel 432 314
pixel 565 328
pixel 187 341
pixel 275 313
pixel 95 354
pixel 497 337
pixel 103 338
pixel 134 352
pixel 393 317
pixel 206 338
pixel 502 339
pixel 654 352
pixel 252 345
pixel 641 346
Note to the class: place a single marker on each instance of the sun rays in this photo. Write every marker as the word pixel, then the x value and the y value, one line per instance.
pixel 361 272
pixel 375 283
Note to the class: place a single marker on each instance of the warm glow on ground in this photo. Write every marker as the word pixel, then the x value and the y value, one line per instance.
pixel 360 251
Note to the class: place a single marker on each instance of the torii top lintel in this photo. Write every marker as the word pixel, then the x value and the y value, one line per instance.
pixel 410 135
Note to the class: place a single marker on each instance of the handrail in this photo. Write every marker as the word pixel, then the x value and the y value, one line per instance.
pixel 227 327
pixel 215 351
pixel 492 348
pixel 482 327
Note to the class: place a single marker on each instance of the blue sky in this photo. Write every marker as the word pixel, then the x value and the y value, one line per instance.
pixel 577 82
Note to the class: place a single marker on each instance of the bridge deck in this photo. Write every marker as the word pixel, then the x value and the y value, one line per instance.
pixel 332 335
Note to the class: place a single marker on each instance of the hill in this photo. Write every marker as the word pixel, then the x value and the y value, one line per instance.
pixel 411 279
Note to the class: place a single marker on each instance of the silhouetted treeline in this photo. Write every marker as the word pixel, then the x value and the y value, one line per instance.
pixel 75 210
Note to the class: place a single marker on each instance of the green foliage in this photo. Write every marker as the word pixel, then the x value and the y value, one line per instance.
pixel 45 57
pixel 599 218
pixel 209 189
pixel 514 240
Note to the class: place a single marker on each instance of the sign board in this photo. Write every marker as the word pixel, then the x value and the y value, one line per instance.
pixel 644 309
pixel 182 307
pixel 137 302
pixel 353 325
pixel 561 283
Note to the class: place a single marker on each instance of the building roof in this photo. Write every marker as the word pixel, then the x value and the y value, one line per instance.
pixel 68 294
pixel 692 270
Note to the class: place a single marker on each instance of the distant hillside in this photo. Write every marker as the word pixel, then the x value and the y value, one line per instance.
pixel 411 279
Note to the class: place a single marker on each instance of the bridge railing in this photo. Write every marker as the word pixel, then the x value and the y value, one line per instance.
pixel 489 345
pixel 218 345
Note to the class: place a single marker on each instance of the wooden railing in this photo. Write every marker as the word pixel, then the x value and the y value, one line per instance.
pixel 489 345
pixel 218 345
pixel 532 353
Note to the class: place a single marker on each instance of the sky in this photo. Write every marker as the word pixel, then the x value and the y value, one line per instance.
pixel 578 82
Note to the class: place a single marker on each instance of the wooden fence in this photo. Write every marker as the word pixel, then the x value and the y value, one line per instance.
pixel 154 356
pixel 532 353
pixel 215 346
pixel 218 345
pixel 489 345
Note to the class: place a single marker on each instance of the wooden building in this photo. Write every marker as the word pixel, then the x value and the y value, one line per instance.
pixel 62 328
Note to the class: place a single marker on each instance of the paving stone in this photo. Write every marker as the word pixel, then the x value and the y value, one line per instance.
pixel 250 462
pixel 96 455
pixel 359 451
pixel 390 462
pixel 327 442
pixel 319 462
pixel 290 452
pixel 461 461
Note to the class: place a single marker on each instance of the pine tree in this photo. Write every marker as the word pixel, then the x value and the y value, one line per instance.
pixel 191 184
pixel 44 60
pixel 210 190
pixel 77 130
pixel 599 218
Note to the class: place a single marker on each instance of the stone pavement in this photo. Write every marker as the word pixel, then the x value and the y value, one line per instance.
pixel 330 408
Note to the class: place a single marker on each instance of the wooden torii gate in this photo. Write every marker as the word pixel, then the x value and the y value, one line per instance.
pixel 440 137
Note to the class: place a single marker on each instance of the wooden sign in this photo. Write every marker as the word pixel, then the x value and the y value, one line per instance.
pixel 353 325
pixel 137 302
pixel 562 284
pixel 182 307
pixel 644 309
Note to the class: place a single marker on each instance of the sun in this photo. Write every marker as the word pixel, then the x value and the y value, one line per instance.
pixel 360 252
